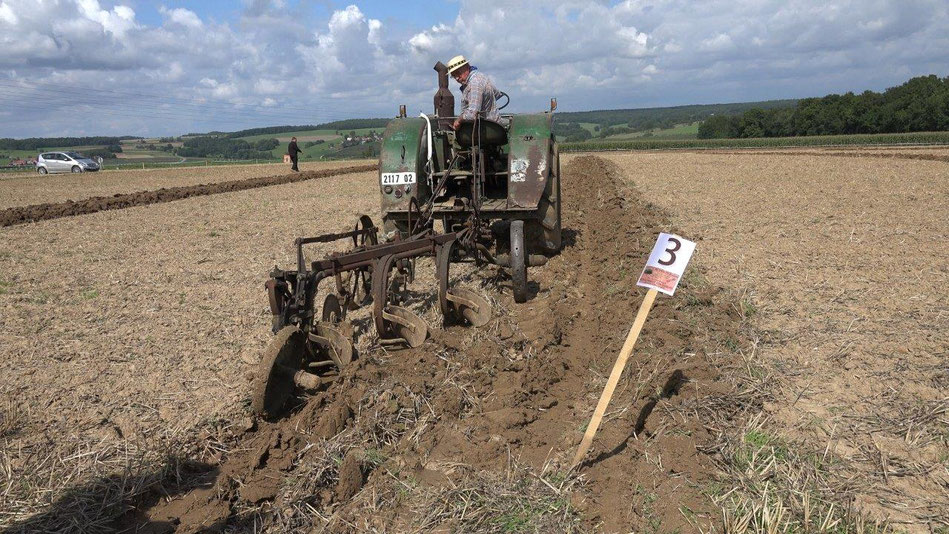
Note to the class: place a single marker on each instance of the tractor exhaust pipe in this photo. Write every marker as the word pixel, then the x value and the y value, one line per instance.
pixel 444 100
pixel 444 108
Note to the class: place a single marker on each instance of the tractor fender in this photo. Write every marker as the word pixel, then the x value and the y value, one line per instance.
pixel 528 159
pixel 402 153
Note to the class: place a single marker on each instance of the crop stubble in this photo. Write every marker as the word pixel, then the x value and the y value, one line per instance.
pixel 122 324
pixel 844 261
pixel 117 324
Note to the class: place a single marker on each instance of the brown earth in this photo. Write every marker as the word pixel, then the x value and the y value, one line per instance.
pixel 22 189
pixel 125 337
pixel 471 403
pixel 843 262
pixel 41 212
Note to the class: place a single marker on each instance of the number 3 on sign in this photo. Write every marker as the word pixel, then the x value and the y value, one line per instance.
pixel 666 263
pixel 676 244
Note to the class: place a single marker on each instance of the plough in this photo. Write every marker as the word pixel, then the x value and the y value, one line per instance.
pixel 493 188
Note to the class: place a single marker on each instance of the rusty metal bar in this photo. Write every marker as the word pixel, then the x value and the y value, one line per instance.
pixel 327 238
pixel 353 260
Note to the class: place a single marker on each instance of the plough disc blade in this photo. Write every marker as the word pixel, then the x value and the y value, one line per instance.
pixel 274 382
pixel 458 303
pixel 332 312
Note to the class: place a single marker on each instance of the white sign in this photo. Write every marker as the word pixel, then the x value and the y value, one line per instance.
pixel 397 178
pixel 666 263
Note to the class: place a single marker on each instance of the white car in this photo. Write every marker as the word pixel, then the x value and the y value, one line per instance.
pixel 64 162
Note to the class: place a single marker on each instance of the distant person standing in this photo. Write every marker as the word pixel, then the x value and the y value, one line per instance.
pixel 293 150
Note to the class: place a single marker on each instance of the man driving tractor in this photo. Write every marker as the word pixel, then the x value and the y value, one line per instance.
pixel 478 93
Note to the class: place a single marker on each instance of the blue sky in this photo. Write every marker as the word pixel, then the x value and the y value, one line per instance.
pixel 169 67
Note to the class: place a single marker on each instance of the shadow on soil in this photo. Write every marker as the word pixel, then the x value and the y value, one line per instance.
pixel 671 388
pixel 102 505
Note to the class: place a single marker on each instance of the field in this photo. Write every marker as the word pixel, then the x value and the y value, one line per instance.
pixel 314 152
pixel 29 189
pixel 681 131
pixel 796 381
pixel 133 156
pixel 917 138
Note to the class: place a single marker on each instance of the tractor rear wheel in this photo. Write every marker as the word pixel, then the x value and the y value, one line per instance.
pixel 518 262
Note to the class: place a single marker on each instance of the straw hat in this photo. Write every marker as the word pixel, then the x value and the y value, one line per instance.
pixel 456 63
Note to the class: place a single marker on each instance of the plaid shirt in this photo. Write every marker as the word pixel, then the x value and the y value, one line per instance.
pixel 479 94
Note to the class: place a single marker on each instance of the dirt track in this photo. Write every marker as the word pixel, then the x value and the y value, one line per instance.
pixel 41 212
pixel 471 404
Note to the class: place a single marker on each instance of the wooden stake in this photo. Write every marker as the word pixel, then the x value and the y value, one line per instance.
pixel 607 394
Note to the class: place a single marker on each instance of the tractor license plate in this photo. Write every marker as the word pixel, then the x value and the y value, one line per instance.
pixel 398 178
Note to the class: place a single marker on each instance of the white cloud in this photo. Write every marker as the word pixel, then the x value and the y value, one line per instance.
pixel 118 22
pixel 590 54
pixel 720 42
pixel 7 16
pixel 264 86
pixel 182 17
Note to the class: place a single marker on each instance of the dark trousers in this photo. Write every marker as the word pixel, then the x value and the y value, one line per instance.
pixel 293 158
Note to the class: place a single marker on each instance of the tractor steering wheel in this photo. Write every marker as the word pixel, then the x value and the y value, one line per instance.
pixel 506 101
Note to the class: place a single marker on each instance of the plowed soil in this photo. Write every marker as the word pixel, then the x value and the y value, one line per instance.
pixel 23 189
pixel 471 403
pixel 805 354
pixel 843 262
pixel 40 212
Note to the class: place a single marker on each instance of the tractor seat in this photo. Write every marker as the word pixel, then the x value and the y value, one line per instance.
pixel 492 133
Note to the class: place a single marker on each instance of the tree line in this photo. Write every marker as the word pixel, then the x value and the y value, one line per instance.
pixel 623 121
pixel 919 105
pixel 38 143
pixel 665 117
pixel 349 124
pixel 227 148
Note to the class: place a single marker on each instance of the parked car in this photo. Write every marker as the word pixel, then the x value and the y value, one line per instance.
pixel 64 162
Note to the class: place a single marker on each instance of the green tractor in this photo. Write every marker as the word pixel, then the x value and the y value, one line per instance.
pixel 500 180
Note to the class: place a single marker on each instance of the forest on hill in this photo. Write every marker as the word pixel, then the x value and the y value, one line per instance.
pixel 568 125
pixel 919 105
